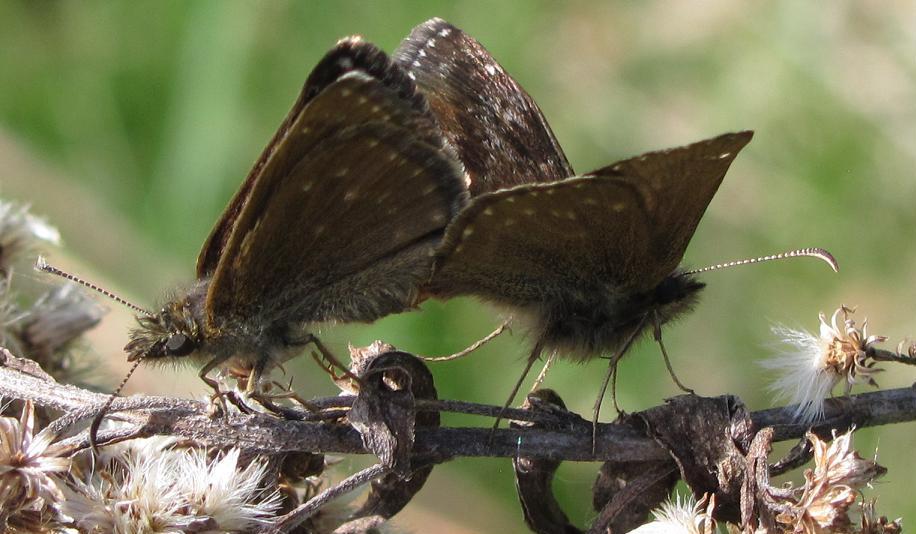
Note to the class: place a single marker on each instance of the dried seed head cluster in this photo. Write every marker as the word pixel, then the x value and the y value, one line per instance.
pixel 44 330
pixel 808 372
pixel 20 233
pixel 831 488
pixel 157 487
pixel 681 517
pixel 28 462
pixel 872 523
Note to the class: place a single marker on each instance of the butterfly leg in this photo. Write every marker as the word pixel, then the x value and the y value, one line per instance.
pixel 219 397
pixel 657 333
pixel 254 377
pixel 535 354
pixel 328 361
pixel 609 378
pixel 476 345
pixel 543 374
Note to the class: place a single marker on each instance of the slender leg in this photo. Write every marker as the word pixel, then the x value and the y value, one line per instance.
pixel 219 397
pixel 657 332
pixel 543 374
pixel 254 377
pixel 330 361
pixel 535 354
pixel 476 345
pixel 612 374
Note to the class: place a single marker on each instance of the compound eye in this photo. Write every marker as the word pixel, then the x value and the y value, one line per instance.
pixel 179 345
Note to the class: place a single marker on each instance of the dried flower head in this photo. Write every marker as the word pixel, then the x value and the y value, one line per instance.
pixel 155 487
pixel 681 517
pixel 49 328
pixel 9 317
pixel 831 488
pixel 813 366
pixel 27 463
pixel 874 524
pixel 20 233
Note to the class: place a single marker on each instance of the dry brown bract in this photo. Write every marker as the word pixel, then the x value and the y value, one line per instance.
pixel 831 488
pixel 27 463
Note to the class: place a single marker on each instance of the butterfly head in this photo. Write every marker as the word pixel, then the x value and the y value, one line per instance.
pixel 174 332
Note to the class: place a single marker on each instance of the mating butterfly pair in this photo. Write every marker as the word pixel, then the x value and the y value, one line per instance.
pixel 433 174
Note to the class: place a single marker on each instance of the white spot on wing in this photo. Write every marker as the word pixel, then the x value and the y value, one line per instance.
pixel 590 201
pixel 510 199
pixel 491 70
pixel 444 32
pixel 319 230
pixel 421 53
pixel 725 155
pixel 411 75
pixel 467 231
pixel 618 207
pixel 362 100
pixel 376 108
pixel 345 92
pixel 571 215
pixel 529 211
pixel 509 221
pixel 341 172
pixel 488 211
pixel 350 195
pixel 307 185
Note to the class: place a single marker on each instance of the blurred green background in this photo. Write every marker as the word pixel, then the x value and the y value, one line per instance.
pixel 130 124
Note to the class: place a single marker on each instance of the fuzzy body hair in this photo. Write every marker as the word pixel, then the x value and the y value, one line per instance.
pixel 583 323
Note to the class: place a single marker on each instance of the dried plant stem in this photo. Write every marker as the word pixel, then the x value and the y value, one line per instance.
pixel 267 434
pixel 307 509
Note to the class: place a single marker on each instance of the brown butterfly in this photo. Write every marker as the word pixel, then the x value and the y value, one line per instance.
pixel 589 263
pixel 337 221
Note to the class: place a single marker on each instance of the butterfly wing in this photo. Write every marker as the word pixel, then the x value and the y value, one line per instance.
pixel 349 55
pixel 499 132
pixel 342 217
pixel 626 225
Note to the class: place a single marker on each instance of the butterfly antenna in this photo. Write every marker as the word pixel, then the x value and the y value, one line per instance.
pixel 813 252
pixel 42 265
pixel 97 420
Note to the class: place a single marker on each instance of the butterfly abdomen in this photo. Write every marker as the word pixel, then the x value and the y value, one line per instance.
pixel 586 324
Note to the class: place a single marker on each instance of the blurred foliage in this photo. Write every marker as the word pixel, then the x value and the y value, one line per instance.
pixel 154 110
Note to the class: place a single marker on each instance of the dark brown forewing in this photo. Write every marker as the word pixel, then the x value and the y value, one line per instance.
pixel 349 55
pixel 677 186
pixel 341 222
pixel 527 243
pixel 627 225
pixel 499 132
